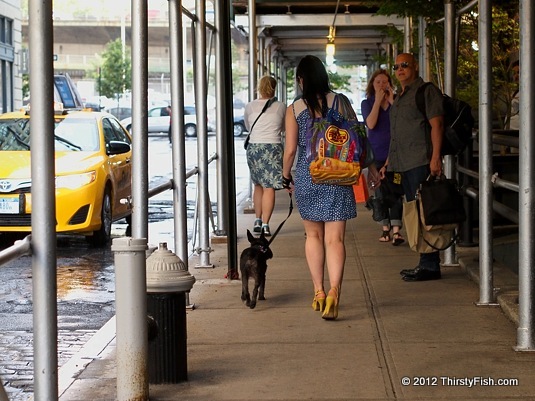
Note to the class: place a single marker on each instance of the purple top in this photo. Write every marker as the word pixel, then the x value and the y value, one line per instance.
pixel 379 136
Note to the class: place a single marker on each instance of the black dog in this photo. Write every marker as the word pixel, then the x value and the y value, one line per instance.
pixel 253 264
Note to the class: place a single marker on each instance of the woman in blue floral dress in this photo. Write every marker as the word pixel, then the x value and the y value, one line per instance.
pixel 323 208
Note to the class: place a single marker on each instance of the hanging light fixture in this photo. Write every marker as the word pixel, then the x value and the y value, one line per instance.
pixel 330 48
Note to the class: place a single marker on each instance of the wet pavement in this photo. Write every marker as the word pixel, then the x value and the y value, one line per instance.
pixel 86 298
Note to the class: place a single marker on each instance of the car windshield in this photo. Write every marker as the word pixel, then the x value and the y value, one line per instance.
pixel 75 134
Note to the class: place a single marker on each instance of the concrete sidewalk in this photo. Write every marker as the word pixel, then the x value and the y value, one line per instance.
pixel 393 339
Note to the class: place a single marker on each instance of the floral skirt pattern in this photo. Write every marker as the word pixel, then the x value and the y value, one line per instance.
pixel 265 164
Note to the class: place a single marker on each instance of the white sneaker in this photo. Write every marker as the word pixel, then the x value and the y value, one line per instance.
pixel 265 228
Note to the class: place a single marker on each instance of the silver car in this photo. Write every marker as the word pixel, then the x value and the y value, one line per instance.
pixel 159 121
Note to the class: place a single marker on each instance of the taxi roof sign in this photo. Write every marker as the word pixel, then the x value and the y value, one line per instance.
pixel 66 92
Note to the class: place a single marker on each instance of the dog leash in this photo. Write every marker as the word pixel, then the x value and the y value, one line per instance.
pixel 291 207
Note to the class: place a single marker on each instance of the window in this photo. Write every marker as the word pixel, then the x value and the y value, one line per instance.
pixel 2 29
pixel 109 132
pixel 119 131
pixel 7 56
pixel 157 112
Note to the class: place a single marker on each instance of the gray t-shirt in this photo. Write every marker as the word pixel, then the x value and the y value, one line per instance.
pixel 410 142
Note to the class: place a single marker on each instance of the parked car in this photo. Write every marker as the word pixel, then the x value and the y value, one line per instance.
pixel 239 126
pixel 93 173
pixel 120 112
pixel 92 106
pixel 158 121
pixel 238 105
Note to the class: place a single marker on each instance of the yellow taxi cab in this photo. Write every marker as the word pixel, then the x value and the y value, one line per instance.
pixel 93 173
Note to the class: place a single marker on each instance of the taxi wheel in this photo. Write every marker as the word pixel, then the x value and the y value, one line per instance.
pixel 103 235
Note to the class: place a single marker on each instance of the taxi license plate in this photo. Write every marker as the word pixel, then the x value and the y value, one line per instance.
pixel 9 205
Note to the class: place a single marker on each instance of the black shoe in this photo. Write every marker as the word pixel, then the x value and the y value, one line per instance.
pixel 408 271
pixel 422 275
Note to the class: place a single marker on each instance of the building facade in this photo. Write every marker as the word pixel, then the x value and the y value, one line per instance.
pixel 10 55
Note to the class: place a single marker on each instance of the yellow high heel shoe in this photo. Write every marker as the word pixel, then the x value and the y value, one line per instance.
pixel 318 303
pixel 331 306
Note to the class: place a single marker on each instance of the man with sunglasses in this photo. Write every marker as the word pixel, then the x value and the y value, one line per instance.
pixel 414 151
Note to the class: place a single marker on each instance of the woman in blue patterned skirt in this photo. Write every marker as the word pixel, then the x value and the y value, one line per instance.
pixel 323 208
pixel 264 152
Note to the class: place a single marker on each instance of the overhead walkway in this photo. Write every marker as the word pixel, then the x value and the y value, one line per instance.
pixel 393 340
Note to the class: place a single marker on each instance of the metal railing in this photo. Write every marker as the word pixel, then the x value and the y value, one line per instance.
pixel 170 185
pixel 500 138
pixel 484 194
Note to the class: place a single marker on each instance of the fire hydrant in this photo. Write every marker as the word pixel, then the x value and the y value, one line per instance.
pixel 167 284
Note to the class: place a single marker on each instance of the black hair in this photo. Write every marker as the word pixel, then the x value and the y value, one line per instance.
pixel 315 84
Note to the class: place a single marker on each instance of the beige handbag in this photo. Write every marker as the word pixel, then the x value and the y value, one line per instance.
pixel 424 238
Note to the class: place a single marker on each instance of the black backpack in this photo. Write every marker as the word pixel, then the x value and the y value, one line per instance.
pixel 458 122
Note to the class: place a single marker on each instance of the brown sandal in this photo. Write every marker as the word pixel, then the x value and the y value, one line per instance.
pixel 385 237
pixel 397 239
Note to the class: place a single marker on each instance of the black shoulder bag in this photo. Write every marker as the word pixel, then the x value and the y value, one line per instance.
pixel 268 103
pixel 442 201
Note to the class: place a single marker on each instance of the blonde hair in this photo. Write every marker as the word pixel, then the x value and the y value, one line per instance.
pixel 266 86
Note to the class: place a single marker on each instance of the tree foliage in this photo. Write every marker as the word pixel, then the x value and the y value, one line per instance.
pixel 339 82
pixel 505 43
pixel 410 8
pixel 504 46
pixel 115 71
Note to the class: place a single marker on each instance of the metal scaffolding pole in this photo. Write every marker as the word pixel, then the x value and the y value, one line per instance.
pixel 253 76
pixel 132 380
pixel 224 120
pixel 407 35
pixel 201 90
pixel 526 256
pixel 450 61
pixel 253 45
pixel 140 142
pixel 226 205
pixel 486 290
pixel 176 44
pixel 44 287
pixel 423 54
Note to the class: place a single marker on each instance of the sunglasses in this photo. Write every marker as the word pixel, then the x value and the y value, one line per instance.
pixel 403 65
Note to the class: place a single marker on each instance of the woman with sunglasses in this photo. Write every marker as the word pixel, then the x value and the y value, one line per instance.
pixel 414 148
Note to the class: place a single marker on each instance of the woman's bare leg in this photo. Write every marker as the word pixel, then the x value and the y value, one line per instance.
pixel 314 252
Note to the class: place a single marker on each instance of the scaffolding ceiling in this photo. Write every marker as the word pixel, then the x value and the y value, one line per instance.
pixel 295 29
